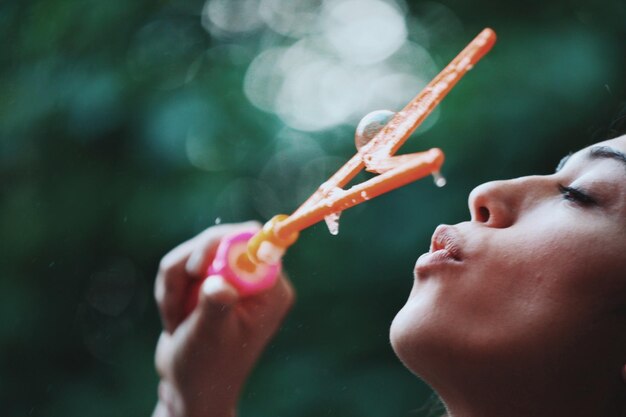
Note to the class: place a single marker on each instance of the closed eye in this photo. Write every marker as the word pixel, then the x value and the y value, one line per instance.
pixel 576 195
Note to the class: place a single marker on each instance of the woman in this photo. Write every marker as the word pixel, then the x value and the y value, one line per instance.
pixel 519 312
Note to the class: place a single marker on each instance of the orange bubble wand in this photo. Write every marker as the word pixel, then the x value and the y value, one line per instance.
pixel 251 263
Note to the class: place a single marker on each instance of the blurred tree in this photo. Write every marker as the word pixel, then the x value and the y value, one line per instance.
pixel 126 127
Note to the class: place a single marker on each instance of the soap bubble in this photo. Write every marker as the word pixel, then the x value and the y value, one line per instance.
pixel 370 125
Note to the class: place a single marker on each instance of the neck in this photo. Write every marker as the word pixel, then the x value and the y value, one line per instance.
pixel 539 396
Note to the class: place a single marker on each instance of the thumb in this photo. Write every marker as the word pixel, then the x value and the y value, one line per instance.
pixel 216 297
pixel 210 321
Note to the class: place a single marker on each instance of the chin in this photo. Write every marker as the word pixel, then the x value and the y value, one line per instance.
pixel 423 338
pixel 400 343
pixel 409 336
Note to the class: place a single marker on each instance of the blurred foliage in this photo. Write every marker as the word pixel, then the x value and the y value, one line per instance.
pixel 124 130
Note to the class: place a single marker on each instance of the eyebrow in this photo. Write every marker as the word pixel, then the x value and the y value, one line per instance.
pixel 597 152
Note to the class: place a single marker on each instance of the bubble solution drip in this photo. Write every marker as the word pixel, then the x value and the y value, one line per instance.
pixel 438 179
pixel 332 222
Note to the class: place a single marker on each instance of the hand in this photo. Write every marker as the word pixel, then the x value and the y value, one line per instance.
pixel 203 359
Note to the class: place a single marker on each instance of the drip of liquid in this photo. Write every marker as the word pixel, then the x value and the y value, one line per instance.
pixel 370 125
pixel 332 222
pixel 439 180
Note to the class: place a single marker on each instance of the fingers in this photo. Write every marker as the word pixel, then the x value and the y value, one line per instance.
pixel 267 309
pixel 217 329
pixel 186 262
pixel 223 335
pixel 216 298
pixel 164 355
pixel 282 292
pixel 206 245
pixel 209 325
pixel 216 291
pixel 220 303
pixel 170 285
pixel 161 410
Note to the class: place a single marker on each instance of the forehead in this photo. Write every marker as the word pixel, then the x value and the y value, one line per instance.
pixel 618 143
pixel 612 149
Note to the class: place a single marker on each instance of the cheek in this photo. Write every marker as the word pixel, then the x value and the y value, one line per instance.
pixel 526 291
pixel 579 265
pixel 552 287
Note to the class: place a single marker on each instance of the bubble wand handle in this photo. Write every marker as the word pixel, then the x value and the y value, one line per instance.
pixel 397 131
pixel 378 155
pixel 255 269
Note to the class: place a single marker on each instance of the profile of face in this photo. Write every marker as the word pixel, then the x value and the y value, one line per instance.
pixel 532 290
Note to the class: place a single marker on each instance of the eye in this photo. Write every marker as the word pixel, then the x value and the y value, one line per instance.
pixel 576 195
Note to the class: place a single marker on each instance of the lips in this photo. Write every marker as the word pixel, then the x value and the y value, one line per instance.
pixel 446 239
pixel 445 250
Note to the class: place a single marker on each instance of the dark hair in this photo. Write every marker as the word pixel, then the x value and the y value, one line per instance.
pixel 618 126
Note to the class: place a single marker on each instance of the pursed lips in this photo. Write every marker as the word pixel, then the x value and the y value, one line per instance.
pixel 445 238
pixel 445 249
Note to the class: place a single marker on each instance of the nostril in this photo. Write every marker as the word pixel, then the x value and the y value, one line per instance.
pixel 483 214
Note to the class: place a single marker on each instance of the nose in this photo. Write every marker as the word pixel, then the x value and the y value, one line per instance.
pixel 499 203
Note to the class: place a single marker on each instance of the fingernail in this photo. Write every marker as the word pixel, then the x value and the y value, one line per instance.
pixel 213 284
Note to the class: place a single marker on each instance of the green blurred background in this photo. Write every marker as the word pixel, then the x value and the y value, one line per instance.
pixel 127 127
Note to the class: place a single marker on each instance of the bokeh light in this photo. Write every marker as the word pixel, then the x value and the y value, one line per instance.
pixel 129 127
pixel 224 17
pixel 290 18
pixel 363 32
pixel 163 52
pixel 358 58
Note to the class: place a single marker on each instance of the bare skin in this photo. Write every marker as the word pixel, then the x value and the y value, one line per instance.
pixel 519 312
pixel 527 315
pixel 204 359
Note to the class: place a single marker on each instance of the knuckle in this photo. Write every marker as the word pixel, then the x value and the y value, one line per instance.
pixel 161 359
pixel 251 223
pixel 167 263
pixel 159 293
pixel 159 366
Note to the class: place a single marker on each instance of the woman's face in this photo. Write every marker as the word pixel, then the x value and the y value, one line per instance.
pixel 536 279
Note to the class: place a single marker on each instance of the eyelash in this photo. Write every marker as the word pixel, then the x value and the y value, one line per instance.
pixel 577 196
